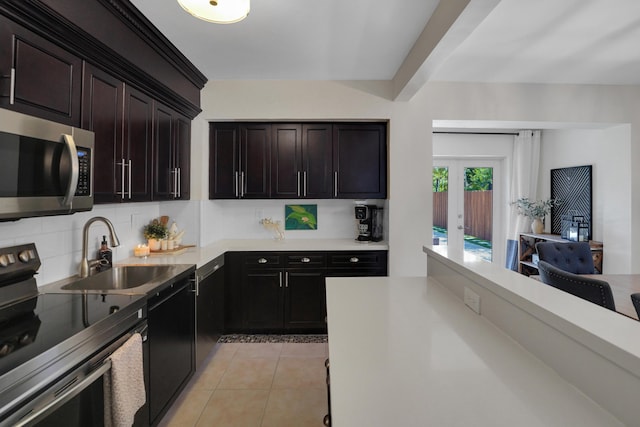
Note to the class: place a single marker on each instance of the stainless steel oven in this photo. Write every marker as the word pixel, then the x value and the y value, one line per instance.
pixel 55 348
pixel 77 398
pixel 45 167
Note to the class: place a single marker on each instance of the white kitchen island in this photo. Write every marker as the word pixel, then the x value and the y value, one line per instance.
pixel 408 352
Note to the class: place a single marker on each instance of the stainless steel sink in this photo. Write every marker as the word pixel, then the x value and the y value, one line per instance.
pixel 126 277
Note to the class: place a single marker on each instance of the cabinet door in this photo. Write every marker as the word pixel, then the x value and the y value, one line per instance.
pixel 224 160
pixel 138 131
pixel 317 162
pixel 209 314
pixel 233 301
pixel 255 149
pixel 172 151
pixel 171 347
pixel 360 161
pixel 286 161
pixel 182 156
pixel 102 113
pixel 262 293
pixel 39 78
pixel 305 301
pixel 164 172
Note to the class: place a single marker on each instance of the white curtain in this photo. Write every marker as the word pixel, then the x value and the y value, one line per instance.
pixel 524 182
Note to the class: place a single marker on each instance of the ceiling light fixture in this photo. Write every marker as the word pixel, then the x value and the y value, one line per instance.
pixel 218 11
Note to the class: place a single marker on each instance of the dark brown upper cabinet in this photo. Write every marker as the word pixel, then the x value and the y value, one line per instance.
pixel 136 148
pixel 102 108
pixel 172 150
pixel 239 160
pixel 360 161
pixel 121 119
pixel 301 161
pixel 38 77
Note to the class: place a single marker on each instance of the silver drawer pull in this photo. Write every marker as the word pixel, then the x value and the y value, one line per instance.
pixel 305 259
pixel 262 261
pixel 354 259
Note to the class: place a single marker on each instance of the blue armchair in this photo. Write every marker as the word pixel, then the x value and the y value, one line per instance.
pixel 594 290
pixel 574 257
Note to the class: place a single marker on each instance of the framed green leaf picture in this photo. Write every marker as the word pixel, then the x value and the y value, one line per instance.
pixel 300 217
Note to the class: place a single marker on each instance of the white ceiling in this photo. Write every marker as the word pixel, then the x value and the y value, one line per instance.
pixel 533 41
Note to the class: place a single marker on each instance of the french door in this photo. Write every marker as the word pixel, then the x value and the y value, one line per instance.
pixel 466 215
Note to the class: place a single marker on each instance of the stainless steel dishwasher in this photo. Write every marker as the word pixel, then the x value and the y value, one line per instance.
pixel 209 307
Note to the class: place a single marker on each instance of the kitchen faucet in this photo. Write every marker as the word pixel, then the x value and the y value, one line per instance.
pixel 86 264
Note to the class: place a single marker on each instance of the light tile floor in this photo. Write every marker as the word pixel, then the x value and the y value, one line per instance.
pixel 256 384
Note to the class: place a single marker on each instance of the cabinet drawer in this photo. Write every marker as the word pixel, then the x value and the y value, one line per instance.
pixel 263 259
pixel 305 259
pixel 361 259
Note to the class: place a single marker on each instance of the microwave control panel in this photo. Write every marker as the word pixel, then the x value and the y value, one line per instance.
pixel 84 172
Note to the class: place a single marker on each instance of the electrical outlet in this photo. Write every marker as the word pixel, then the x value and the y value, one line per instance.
pixel 135 221
pixel 472 300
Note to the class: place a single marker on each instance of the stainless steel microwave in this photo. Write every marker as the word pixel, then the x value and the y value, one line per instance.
pixel 46 168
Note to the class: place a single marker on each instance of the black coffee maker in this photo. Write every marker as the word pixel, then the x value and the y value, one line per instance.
pixel 369 220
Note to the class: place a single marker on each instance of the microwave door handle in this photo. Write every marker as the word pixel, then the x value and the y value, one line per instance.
pixel 73 182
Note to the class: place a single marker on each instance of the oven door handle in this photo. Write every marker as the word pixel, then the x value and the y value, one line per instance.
pixel 64 391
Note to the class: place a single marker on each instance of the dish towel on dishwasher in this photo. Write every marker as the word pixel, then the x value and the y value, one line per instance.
pixel 124 390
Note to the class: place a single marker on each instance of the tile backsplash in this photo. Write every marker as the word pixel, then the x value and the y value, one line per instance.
pixel 59 238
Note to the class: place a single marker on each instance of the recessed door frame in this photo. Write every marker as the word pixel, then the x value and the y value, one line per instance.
pixel 455 217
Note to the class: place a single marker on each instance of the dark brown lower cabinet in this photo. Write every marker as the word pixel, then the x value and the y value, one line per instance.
pixel 171 346
pixel 285 292
pixel 305 307
pixel 262 293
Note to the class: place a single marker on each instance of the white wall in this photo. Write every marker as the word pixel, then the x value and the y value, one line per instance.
pixel 607 151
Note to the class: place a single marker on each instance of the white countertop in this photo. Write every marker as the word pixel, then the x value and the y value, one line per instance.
pixel 202 255
pixel 407 352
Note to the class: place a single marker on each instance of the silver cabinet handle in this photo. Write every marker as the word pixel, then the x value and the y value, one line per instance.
pixel 242 184
pixel 12 89
pixel 354 259
pixel 122 165
pixel 304 185
pixel 335 184
pixel 129 163
pixel 179 183
pixel 305 259
pixel 280 277
pixel 262 261
pixel 174 185
pixel 286 279
pixel 236 183
pixel 298 182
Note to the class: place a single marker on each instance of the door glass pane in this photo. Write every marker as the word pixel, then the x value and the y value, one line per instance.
pixel 478 211
pixel 440 205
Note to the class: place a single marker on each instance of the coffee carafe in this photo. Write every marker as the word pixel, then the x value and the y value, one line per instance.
pixel 369 221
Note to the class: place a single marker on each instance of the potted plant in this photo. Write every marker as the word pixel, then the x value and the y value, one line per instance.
pixel 154 232
pixel 536 211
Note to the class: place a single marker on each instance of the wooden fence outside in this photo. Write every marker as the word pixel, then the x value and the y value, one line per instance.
pixel 478 215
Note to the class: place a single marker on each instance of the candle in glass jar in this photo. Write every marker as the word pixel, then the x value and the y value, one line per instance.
pixel 141 250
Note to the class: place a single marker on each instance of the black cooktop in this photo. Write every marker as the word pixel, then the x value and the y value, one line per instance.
pixel 33 326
